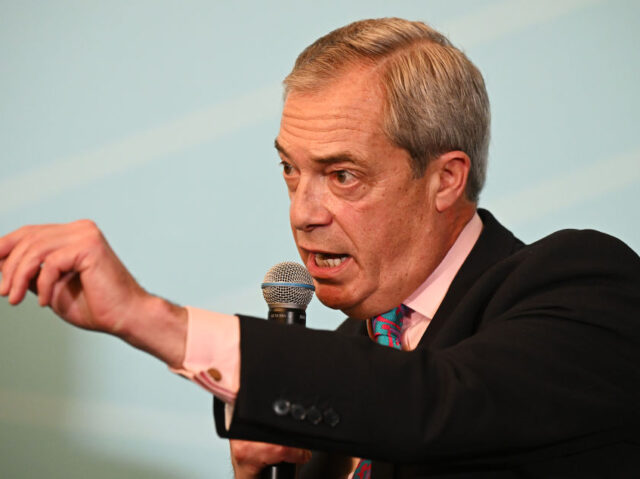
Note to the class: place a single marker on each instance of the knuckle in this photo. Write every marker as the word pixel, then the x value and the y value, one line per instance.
pixel 50 262
pixel 91 233
pixel 86 223
pixel 36 247
pixel 87 226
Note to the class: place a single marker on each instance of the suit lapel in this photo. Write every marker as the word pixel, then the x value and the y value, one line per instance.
pixel 494 244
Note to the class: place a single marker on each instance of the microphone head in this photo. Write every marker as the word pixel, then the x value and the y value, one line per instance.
pixel 288 285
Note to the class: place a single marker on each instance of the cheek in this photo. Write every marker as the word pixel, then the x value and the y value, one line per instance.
pixel 361 224
pixel 400 225
pixel 377 234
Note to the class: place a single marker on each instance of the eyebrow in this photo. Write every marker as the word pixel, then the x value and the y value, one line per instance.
pixel 279 147
pixel 325 160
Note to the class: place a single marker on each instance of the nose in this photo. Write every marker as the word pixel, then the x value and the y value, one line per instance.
pixel 309 209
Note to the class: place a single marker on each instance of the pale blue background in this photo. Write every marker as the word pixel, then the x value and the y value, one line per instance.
pixel 157 119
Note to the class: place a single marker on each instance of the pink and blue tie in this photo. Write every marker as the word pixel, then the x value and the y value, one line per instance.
pixel 386 331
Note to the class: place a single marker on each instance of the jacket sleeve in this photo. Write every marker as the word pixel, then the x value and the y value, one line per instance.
pixel 542 352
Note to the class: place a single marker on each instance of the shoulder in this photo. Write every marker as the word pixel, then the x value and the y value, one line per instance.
pixel 581 251
pixel 587 240
pixel 582 275
pixel 563 260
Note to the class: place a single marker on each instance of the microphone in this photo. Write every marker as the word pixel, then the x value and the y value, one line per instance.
pixel 287 288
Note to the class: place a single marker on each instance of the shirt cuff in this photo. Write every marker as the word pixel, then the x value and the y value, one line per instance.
pixel 212 353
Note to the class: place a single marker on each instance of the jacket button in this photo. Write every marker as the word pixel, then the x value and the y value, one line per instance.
pixel 281 407
pixel 331 417
pixel 298 412
pixel 313 415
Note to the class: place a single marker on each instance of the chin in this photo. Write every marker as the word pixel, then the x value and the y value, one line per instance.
pixel 334 298
pixel 332 302
pixel 348 306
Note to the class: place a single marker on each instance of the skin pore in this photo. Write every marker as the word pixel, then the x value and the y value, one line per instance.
pixel 367 230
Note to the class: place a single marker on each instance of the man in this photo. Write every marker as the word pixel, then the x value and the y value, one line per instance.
pixel 517 360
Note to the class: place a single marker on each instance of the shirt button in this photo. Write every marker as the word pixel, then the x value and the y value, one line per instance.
pixel 215 374
pixel 298 412
pixel 281 407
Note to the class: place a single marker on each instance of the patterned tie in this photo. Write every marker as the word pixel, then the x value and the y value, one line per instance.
pixel 386 331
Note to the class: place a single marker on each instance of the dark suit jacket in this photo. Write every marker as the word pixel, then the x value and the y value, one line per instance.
pixel 530 368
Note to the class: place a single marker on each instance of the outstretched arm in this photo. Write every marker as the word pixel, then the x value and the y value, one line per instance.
pixel 73 270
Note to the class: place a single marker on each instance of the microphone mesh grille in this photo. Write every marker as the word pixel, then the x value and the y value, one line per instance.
pixel 288 272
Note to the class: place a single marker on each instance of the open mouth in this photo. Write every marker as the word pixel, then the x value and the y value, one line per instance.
pixel 329 260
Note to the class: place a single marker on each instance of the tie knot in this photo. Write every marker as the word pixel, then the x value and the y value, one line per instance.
pixel 387 327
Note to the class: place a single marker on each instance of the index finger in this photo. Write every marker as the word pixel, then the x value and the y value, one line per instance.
pixel 8 242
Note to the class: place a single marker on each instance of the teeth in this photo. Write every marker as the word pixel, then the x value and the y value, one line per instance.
pixel 329 261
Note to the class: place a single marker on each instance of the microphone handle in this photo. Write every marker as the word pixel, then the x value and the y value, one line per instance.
pixel 284 470
pixel 287 316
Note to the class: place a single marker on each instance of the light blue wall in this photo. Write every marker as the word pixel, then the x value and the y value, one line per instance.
pixel 157 119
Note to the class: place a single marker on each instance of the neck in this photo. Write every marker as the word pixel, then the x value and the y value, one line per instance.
pixel 453 222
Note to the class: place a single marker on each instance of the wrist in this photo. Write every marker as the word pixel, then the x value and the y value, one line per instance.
pixel 160 329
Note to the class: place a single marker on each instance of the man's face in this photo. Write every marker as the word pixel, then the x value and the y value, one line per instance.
pixel 363 225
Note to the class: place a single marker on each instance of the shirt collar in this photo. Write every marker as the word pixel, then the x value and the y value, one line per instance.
pixel 427 298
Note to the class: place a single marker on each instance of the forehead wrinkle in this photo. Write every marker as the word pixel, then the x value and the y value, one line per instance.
pixel 323 108
pixel 354 127
pixel 337 124
pixel 337 145
pixel 300 113
pixel 331 156
pixel 343 155
pixel 351 121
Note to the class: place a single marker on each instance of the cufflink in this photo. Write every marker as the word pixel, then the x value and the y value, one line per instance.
pixel 214 374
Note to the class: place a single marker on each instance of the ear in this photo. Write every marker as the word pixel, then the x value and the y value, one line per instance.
pixel 452 169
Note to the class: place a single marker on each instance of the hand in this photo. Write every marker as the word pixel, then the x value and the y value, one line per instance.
pixel 249 458
pixel 72 269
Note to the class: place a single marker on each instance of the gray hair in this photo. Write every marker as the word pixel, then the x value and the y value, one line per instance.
pixel 435 97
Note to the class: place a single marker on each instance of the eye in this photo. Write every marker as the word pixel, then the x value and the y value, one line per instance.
pixel 287 169
pixel 344 177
